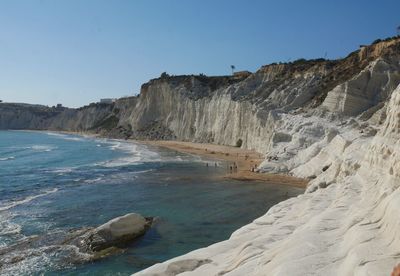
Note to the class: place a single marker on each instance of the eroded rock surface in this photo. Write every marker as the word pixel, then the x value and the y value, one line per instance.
pixel 116 232
pixel 78 245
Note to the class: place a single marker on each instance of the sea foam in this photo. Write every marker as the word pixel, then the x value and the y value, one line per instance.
pixel 26 200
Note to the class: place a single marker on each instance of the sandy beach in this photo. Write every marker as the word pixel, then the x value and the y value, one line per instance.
pixel 242 161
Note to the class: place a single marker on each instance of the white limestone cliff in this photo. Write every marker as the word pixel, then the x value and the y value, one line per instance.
pixel 348 226
pixel 328 121
pixel 347 222
pixel 371 86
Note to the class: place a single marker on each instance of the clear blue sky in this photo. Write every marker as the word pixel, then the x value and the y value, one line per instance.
pixel 77 51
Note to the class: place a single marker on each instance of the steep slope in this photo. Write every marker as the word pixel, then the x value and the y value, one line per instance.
pixel 347 226
pixel 224 109
pixel 189 108
pixel 347 222
pixel 105 119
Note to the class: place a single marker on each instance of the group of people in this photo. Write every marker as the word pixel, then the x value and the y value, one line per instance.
pixel 233 168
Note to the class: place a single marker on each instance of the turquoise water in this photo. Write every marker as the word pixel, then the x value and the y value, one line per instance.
pixel 54 182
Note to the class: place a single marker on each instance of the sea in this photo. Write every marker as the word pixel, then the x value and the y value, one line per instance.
pixel 52 183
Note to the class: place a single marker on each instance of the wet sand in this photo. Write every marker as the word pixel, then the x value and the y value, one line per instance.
pixel 245 160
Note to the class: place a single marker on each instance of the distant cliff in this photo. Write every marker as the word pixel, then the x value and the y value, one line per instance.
pixel 97 117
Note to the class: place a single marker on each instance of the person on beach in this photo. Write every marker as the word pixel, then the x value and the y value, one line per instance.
pixel 396 271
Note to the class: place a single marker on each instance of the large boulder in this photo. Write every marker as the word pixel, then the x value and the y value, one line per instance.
pixel 117 232
pixel 110 238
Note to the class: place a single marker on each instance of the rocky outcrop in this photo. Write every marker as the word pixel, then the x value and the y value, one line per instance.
pixel 346 224
pixel 255 108
pixel 37 117
pixel 370 87
pixel 79 245
pixel 116 232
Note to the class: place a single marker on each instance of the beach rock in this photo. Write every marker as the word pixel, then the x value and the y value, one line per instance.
pixel 117 232
pixel 78 246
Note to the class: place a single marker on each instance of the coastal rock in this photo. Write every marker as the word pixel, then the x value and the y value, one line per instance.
pixel 78 245
pixel 116 232
pixel 370 87
pixel 347 226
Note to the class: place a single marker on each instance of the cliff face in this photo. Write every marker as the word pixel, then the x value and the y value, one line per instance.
pixel 347 223
pixel 253 108
pixel 106 119
pixel 24 116
pixel 333 122
pixel 336 124
pixel 280 110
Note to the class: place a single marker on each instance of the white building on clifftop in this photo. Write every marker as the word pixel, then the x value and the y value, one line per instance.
pixel 107 100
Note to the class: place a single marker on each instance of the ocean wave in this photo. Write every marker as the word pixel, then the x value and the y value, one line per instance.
pixel 138 154
pixel 42 148
pixel 34 261
pixel 121 162
pixel 116 146
pixel 26 200
pixel 62 170
pixel 21 149
pixel 7 158
pixel 71 138
pixel 55 134
pixel 93 180
pixel 143 171
pixel 9 228
pixel 66 136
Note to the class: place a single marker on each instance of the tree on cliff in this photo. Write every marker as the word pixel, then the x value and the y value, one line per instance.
pixel 233 68
pixel 164 75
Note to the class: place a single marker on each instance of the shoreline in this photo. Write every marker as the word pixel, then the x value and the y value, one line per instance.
pixel 243 159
